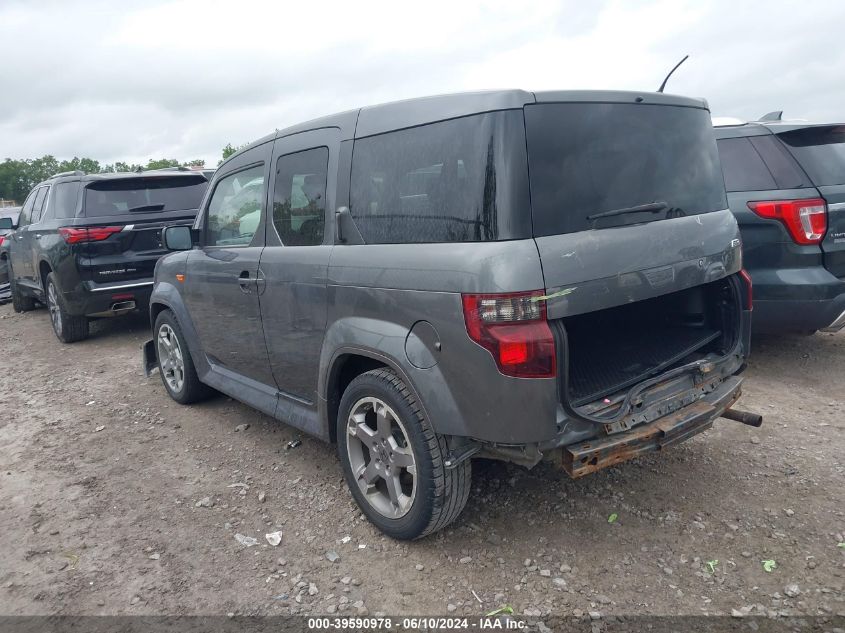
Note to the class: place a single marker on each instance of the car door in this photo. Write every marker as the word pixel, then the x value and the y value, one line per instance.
pixel 20 251
pixel 33 235
pixel 222 284
pixel 295 261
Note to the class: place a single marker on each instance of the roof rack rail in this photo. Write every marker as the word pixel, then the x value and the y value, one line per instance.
pixel 76 172
pixel 176 168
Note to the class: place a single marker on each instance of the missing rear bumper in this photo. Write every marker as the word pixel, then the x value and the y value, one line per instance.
pixel 590 456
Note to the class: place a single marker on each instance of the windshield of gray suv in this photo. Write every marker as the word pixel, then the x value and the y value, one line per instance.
pixel 594 165
pixel 143 195
pixel 820 151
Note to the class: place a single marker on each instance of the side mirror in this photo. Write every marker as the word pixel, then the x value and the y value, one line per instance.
pixel 177 238
pixel 6 224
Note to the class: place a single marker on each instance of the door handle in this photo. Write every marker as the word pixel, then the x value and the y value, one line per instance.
pixel 38 236
pixel 245 282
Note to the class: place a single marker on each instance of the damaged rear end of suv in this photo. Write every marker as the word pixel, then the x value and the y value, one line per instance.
pixel 642 328
pixel 645 296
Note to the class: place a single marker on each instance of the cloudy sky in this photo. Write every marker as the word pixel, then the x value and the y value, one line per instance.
pixel 133 80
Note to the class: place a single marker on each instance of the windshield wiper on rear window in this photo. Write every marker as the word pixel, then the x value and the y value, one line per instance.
pixel 651 207
pixel 147 207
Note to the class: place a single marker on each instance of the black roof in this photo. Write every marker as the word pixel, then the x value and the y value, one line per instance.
pixel 124 175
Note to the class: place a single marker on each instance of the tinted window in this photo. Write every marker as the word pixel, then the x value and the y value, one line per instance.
pixel 592 158
pixel 234 211
pixel 299 197
pixel 144 195
pixel 26 210
pixel 65 199
pixel 38 205
pixel 743 167
pixel 782 166
pixel 456 181
pixel 820 151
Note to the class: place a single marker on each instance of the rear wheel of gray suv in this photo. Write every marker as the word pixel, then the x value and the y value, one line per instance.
pixel 68 328
pixel 393 461
pixel 175 363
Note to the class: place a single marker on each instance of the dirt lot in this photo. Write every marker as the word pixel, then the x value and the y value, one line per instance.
pixel 101 475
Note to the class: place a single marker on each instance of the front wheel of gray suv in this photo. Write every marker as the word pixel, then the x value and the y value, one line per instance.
pixel 68 328
pixel 175 363
pixel 393 460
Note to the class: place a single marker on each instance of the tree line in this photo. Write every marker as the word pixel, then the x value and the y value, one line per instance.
pixel 19 176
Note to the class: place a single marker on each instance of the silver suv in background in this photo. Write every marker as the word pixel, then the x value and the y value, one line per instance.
pixel 505 274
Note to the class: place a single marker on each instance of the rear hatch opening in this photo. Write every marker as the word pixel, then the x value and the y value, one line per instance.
pixel 614 349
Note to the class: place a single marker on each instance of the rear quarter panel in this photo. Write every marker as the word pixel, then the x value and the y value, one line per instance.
pixel 378 292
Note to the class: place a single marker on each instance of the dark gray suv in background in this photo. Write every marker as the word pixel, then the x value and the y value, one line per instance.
pixel 786 187
pixel 507 274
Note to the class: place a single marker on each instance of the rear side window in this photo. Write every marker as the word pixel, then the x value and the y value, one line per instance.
pixel 462 180
pixel 234 211
pixel 299 197
pixel 820 151
pixel 784 169
pixel 65 199
pixel 143 195
pixel 38 205
pixel 743 167
pixel 26 211
pixel 590 158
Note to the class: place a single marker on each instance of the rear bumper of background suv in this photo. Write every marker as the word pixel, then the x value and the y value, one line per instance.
pixel 797 300
pixel 113 299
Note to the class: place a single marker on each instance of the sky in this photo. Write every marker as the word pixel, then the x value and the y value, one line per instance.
pixel 134 80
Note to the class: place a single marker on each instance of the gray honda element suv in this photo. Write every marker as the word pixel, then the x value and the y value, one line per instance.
pixel 508 275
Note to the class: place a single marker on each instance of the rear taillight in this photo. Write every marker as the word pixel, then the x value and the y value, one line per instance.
pixel 73 235
pixel 749 289
pixel 806 220
pixel 514 329
pixel 2 239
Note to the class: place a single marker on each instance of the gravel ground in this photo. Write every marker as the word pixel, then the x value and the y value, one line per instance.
pixel 116 500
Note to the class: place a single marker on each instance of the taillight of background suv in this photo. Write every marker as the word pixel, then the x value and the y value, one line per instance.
pixel 805 220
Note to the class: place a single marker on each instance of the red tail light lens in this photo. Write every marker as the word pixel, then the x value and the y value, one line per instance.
pixel 749 289
pixel 806 220
pixel 73 235
pixel 2 239
pixel 514 329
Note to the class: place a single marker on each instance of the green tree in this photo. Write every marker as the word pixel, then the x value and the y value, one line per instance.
pixel 229 150
pixel 161 163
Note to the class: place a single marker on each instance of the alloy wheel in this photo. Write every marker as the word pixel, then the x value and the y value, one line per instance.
pixel 170 360
pixel 53 307
pixel 381 457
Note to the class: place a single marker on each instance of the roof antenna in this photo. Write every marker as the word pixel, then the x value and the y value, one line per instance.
pixel 663 85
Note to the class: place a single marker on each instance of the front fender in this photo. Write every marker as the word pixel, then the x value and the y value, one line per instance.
pixel 166 295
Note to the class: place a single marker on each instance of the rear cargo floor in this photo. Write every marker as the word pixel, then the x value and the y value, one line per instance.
pixel 615 360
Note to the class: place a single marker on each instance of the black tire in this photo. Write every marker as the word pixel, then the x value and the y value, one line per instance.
pixel 441 494
pixel 69 328
pixel 20 301
pixel 191 389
